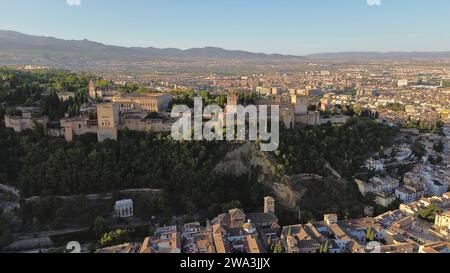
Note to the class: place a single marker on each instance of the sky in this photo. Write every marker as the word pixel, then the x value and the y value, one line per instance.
pixel 296 27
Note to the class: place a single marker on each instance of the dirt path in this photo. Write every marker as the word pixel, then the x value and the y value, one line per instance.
pixel 107 196
pixel 333 171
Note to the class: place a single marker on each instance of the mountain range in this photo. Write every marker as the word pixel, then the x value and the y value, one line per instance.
pixel 20 49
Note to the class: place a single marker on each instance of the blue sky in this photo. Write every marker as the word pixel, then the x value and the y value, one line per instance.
pixel 270 26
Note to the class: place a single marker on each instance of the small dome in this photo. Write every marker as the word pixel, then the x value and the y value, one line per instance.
pixel 249 227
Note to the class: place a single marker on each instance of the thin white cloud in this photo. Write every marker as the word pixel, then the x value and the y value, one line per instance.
pixel 73 2
pixel 374 3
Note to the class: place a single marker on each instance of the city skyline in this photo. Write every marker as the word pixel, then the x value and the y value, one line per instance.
pixel 296 27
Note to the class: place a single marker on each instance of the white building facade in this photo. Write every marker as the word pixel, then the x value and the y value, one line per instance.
pixel 124 208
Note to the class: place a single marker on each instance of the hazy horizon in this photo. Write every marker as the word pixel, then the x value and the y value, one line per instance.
pixel 228 49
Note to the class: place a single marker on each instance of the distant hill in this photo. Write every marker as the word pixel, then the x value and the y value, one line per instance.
pixel 18 48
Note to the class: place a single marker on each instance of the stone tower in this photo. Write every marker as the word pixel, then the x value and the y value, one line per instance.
pixel 269 205
pixel 301 104
pixel 232 99
pixel 92 89
pixel 108 121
